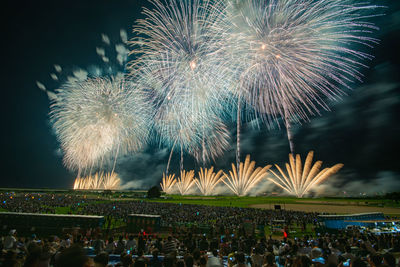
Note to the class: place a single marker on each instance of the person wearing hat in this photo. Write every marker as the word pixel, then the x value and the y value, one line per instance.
pixel 10 241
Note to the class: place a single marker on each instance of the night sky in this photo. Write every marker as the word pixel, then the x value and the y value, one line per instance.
pixel 362 131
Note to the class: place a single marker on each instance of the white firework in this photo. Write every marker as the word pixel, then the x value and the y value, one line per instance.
pixel 294 57
pixel 98 119
pixel 180 64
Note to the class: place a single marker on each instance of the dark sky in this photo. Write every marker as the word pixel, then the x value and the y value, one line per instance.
pixel 362 131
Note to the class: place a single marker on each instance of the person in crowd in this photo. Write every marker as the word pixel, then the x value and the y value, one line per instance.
pixel 120 247
pixel 214 260
pixel 101 259
pixel 110 247
pixel 131 244
pixel 169 245
pixel 240 260
pixel 10 241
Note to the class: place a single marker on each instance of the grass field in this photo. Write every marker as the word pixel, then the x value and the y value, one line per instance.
pixel 327 205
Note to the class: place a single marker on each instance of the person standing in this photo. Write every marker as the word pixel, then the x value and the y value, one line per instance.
pixel 10 241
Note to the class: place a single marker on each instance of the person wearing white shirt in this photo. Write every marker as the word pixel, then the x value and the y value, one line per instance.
pixel 214 260
pixel 10 241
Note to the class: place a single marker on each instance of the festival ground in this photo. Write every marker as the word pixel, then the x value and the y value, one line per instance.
pixel 320 205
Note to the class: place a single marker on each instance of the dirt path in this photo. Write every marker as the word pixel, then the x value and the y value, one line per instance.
pixel 339 209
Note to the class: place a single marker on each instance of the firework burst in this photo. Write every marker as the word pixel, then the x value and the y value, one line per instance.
pixel 168 183
pixel 296 56
pixel 185 181
pixel 180 64
pixel 99 118
pixel 208 180
pixel 240 183
pixel 298 181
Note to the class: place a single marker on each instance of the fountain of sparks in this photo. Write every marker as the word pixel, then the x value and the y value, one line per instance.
pixel 208 180
pixel 168 182
pixel 98 181
pixel 185 181
pixel 299 181
pixel 240 183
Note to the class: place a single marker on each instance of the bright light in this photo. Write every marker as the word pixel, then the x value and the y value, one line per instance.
pixel 300 180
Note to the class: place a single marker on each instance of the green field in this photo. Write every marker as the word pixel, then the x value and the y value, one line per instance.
pixel 245 202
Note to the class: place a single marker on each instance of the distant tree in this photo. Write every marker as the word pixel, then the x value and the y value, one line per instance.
pixel 393 196
pixel 154 192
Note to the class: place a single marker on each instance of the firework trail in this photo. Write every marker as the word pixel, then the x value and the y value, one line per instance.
pixel 168 183
pixel 180 64
pixel 295 56
pixel 185 181
pixel 208 180
pixel 242 181
pixel 99 118
pixel 213 144
pixel 298 180
pixel 106 181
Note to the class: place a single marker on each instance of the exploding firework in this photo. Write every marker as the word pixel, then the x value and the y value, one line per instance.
pixel 180 64
pixel 168 183
pixel 213 144
pixel 208 180
pixel 295 56
pixel 99 118
pixel 241 183
pixel 185 181
pixel 106 181
pixel 298 181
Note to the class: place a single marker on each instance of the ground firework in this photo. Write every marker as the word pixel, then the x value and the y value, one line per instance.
pixel 295 56
pixel 168 183
pixel 298 181
pixel 107 181
pixel 185 181
pixel 207 180
pixel 180 64
pixel 97 119
pixel 240 183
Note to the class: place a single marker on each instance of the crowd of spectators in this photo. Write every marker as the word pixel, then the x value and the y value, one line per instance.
pixel 348 248
pixel 226 244
pixel 222 219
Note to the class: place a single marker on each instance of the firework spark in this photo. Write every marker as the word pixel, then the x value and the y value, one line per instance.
pixel 99 118
pixel 295 56
pixel 240 183
pixel 168 183
pixel 105 181
pixel 208 180
pixel 187 78
pixel 298 181
pixel 185 181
